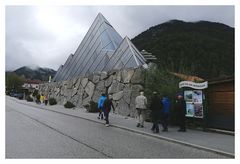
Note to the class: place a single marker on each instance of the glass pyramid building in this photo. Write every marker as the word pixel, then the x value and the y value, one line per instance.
pixel 102 49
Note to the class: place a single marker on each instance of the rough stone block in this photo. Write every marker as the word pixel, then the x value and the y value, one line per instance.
pixel 84 82
pixel 100 86
pixel 137 88
pixel 138 77
pixel 133 111
pixel 75 100
pixel 104 75
pixel 96 79
pixel 127 75
pixel 74 92
pixel 118 95
pixel 109 81
pixel 119 76
pixel 74 81
pixel 97 93
pixel 86 101
pixel 78 82
pixel 123 108
pixel 115 87
pixel 89 88
pixel 127 91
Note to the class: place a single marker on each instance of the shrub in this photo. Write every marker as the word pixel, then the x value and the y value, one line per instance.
pixel 38 97
pixel 68 104
pixel 29 99
pixel 35 93
pixel 92 107
pixel 87 106
pixel 52 101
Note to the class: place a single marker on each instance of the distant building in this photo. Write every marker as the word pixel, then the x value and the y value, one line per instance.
pixel 102 49
pixel 31 84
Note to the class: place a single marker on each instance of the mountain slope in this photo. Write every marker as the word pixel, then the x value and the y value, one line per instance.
pixel 204 49
pixel 38 73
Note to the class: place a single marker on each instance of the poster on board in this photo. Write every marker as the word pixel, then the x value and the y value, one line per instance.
pixel 189 110
pixel 197 96
pixel 198 110
pixel 188 96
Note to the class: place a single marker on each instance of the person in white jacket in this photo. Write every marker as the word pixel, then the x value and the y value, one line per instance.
pixel 141 106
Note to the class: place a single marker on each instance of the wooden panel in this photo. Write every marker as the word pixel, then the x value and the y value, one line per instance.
pixel 222 97
pixel 221 87
pixel 221 106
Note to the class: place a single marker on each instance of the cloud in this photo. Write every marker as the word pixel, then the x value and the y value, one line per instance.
pixel 47 35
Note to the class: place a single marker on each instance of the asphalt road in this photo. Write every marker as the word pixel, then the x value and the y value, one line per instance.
pixel 37 133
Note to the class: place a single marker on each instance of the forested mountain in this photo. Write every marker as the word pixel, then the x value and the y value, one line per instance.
pixel 37 74
pixel 204 49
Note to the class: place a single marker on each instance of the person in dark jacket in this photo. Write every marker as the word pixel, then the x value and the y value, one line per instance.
pixel 100 105
pixel 165 113
pixel 107 108
pixel 155 107
pixel 46 99
pixel 181 112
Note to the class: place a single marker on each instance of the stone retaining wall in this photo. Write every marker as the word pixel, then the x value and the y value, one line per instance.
pixel 123 85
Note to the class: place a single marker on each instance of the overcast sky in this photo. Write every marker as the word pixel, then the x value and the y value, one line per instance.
pixel 46 36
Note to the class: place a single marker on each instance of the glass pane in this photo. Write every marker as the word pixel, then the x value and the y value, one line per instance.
pixel 125 57
pixel 110 46
pixel 105 39
pixel 130 63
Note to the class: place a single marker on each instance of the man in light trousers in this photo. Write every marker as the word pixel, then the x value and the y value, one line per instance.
pixel 141 106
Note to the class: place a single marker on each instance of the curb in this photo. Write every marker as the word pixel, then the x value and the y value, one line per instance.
pixel 145 133
pixel 213 130
pixel 232 133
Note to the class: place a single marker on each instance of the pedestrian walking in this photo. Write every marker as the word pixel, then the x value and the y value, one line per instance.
pixel 165 113
pixel 141 106
pixel 42 98
pixel 46 100
pixel 181 112
pixel 100 105
pixel 156 107
pixel 107 105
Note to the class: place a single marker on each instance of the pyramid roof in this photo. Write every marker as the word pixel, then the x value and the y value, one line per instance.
pixel 101 49
pixel 126 56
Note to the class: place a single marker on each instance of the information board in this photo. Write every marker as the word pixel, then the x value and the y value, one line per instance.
pixel 194 103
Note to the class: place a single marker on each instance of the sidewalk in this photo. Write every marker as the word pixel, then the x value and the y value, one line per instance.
pixel 209 141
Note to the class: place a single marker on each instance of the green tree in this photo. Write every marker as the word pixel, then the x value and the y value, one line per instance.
pixel 204 49
pixel 161 81
pixel 14 81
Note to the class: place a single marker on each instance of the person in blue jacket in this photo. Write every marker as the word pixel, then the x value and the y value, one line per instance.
pixel 100 105
pixel 165 113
